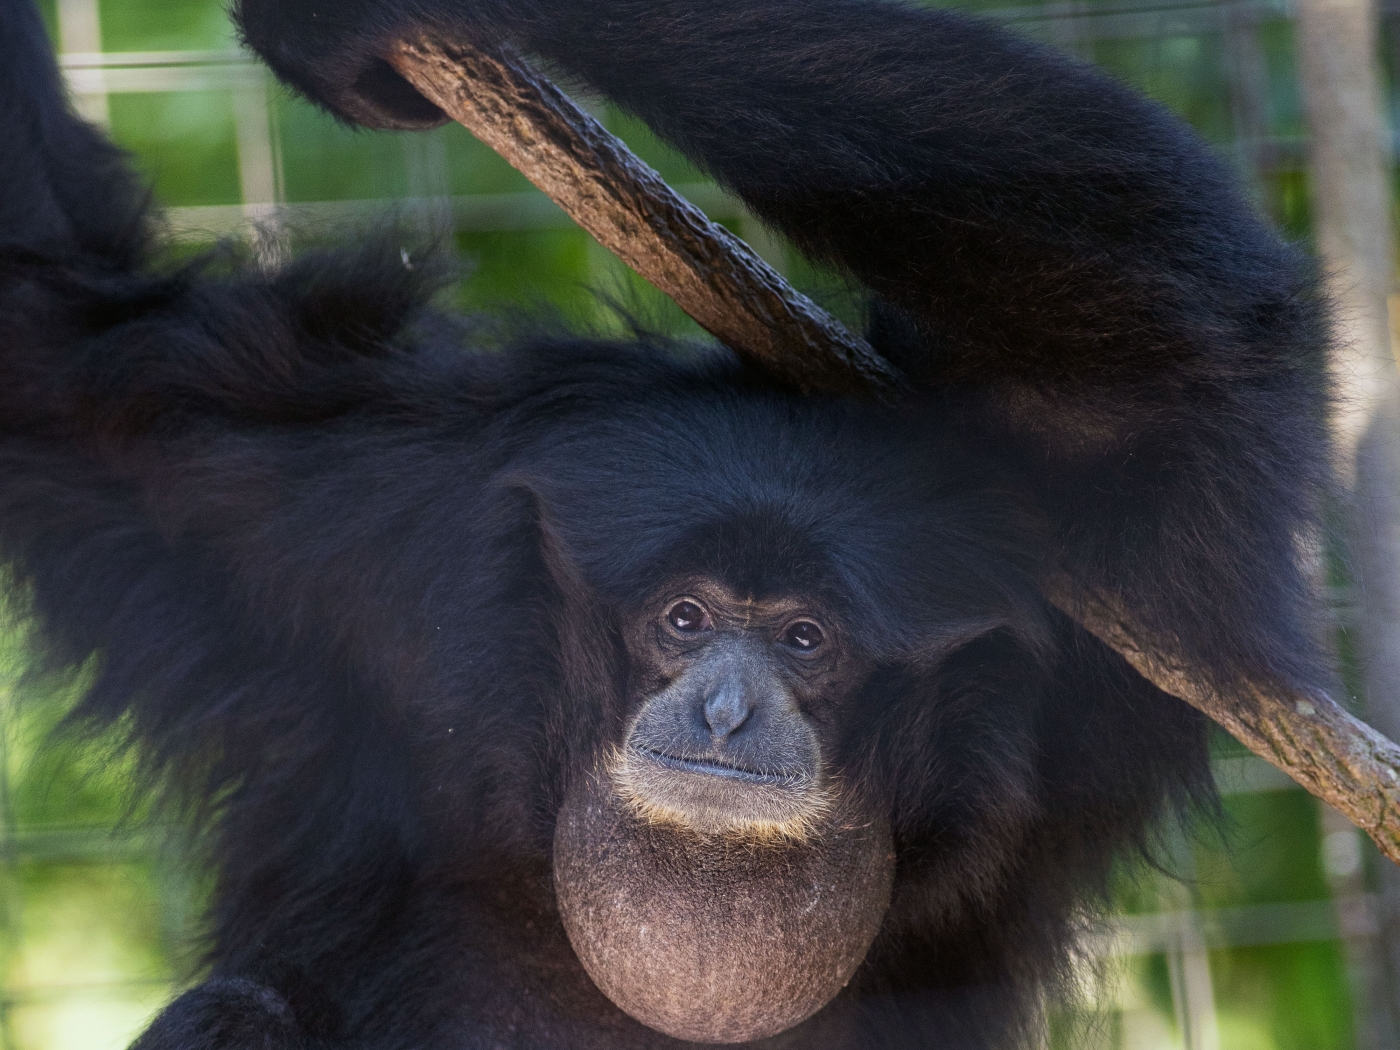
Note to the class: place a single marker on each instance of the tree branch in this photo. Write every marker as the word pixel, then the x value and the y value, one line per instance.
pixel 733 294
pixel 1309 736
pixel 609 191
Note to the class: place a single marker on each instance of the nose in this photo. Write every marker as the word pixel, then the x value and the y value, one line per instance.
pixel 726 709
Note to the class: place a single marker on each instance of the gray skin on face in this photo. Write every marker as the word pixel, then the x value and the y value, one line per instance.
pixel 724 739
pixel 724 747
pixel 714 879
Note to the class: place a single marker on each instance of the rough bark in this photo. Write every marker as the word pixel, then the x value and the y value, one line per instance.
pixel 1309 736
pixel 745 303
pixel 630 210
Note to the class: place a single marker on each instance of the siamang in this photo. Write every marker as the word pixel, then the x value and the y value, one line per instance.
pixel 607 693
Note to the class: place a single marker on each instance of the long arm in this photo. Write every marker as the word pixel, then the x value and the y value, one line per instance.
pixel 1037 218
pixel 1061 256
pixel 66 192
pixel 151 441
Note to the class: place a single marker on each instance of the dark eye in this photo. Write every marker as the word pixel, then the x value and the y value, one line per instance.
pixel 804 635
pixel 686 616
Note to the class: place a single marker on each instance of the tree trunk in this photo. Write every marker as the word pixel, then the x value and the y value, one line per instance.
pixel 1348 167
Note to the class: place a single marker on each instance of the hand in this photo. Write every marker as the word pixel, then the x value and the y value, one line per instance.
pixel 331 52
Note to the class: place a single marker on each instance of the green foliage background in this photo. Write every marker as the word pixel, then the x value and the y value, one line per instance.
pixel 98 911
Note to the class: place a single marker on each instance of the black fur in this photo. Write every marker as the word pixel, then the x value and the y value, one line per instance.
pixel 225 1013
pixel 357 584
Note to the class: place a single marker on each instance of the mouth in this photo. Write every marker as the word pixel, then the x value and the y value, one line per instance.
pixel 711 767
pixel 713 795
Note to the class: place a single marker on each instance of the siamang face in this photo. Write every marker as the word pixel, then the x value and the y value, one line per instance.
pixel 718 845
pixel 716 848
pixel 734 712
pixel 776 638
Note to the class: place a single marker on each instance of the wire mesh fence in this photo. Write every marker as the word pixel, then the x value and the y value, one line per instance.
pixel 1271 942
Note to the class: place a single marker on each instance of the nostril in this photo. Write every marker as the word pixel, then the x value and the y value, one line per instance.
pixel 725 711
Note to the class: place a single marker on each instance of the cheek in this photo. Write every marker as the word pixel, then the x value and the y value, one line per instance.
pixel 839 700
pixel 646 679
pixel 653 662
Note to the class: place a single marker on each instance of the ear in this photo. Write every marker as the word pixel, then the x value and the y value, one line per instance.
pixel 558 558
pixel 920 613
pixel 586 629
pixel 934 646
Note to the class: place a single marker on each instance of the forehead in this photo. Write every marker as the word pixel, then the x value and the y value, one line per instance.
pixel 759 552
pixel 773 498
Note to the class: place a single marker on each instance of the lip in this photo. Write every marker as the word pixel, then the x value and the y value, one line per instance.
pixel 709 767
